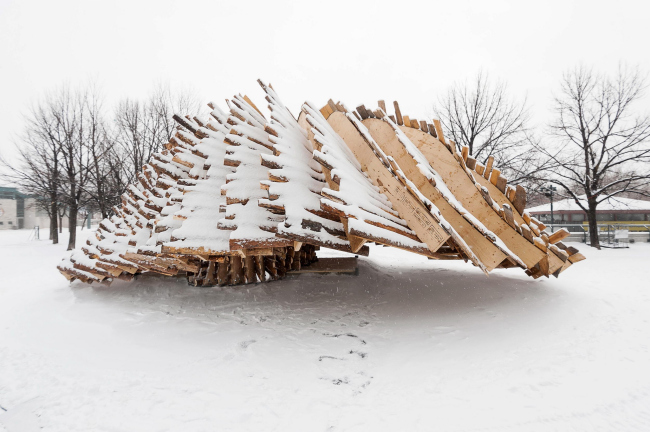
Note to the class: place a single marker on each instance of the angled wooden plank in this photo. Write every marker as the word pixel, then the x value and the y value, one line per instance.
pixel 387 138
pixel 465 191
pixel 415 214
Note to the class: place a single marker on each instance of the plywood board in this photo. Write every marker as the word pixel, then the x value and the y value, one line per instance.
pixel 484 249
pixel 409 208
pixel 460 184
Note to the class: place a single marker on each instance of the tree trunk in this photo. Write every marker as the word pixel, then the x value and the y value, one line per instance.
pixel 72 221
pixel 54 213
pixel 593 224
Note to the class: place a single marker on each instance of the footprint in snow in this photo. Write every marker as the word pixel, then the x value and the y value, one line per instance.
pixel 363 342
pixel 336 381
pixel 323 357
pixel 246 344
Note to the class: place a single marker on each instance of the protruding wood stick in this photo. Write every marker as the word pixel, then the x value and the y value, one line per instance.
pixel 441 136
pixel 361 109
pixel 502 182
pixel 488 167
pixel 250 102
pixel 559 235
pixel 398 113
pixel 494 175
pixel 432 130
pixel 520 199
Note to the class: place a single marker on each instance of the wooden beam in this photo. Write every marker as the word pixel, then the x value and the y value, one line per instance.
pixel 502 182
pixel 438 126
pixel 432 130
pixel 488 167
pixel 398 114
pixel 465 153
pixel 559 235
pixel 362 112
pixel 520 199
pixel 250 102
pixel 326 111
pixel 494 176
pixel 331 265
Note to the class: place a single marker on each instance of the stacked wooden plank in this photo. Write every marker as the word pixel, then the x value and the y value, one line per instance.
pixel 481 191
pixel 244 197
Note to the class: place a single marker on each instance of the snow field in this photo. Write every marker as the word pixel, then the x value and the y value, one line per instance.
pixel 409 344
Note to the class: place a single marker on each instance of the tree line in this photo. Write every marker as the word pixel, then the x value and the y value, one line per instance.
pixel 74 154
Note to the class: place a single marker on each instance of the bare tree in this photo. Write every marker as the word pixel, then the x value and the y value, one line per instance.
pixel 70 157
pixel 603 141
pixel 104 164
pixel 481 116
pixel 143 128
pixel 38 169
pixel 73 123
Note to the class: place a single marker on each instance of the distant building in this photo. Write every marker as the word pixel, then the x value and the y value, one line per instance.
pixel 613 210
pixel 12 208
pixel 18 211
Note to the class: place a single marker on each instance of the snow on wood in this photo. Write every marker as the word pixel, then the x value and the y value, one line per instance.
pixel 252 226
pixel 296 181
pixel 200 205
pixel 421 214
pixel 352 195
pixel 429 181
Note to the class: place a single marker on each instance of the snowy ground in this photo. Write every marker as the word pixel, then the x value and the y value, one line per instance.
pixel 408 345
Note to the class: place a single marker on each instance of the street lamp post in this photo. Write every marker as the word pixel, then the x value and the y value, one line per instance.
pixel 548 192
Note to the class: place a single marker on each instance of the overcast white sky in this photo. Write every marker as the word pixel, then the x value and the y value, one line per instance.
pixel 357 52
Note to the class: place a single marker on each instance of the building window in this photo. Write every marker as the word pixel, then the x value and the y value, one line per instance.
pixel 10 223
pixel 578 217
pixel 604 217
pixel 629 217
pixel 20 207
pixel 2 223
pixel 557 218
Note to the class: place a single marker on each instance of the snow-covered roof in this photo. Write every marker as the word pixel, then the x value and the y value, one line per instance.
pixel 611 204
